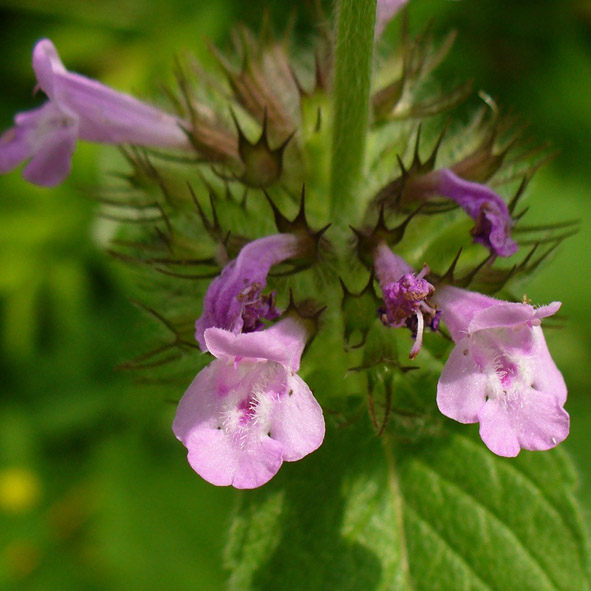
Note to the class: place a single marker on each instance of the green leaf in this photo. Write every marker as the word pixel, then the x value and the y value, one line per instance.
pixel 370 514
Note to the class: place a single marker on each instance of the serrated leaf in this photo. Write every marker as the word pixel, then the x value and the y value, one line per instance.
pixel 369 514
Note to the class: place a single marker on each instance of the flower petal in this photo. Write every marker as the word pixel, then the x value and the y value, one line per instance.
pixel 47 63
pixel 389 267
pixel 216 458
pixel 283 343
pixel 461 390
pixel 481 203
pixel 501 315
pixel 212 454
pixel 109 116
pixel 546 376
pixel 533 421
pixel 106 115
pixel 226 456
pixel 200 404
pixel 259 466
pixel 547 310
pixel 43 128
pixel 459 306
pixel 223 306
pixel 297 421
pixel 53 161
pixel 497 430
pixel 14 148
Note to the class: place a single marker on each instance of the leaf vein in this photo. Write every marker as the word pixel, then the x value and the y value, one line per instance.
pixel 526 478
pixel 455 552
pixel 399 503
pixel 533 559
pixel 576 532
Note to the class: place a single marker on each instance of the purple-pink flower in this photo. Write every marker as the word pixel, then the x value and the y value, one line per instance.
pixel 482 204
pixel 79 108
pixel 405 294
pixel 500 372
pixel 235 301
pixel 248 411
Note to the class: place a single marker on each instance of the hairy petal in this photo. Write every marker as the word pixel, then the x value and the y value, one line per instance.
pixel 547 310
pixel 459 307
pixel 501 315
pixel 283 343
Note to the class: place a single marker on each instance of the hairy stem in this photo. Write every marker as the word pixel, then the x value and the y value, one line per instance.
pixel 353 59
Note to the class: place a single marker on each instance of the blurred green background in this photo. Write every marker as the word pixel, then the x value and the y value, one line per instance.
pixel 95 492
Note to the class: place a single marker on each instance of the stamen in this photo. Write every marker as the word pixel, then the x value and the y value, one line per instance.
pixel 419 339
pixel 424 271
pixel 430 310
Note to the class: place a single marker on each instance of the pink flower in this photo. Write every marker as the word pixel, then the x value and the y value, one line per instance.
pixel 47 136
pixel 234 300
pixel 248 411
pixel 500 372
pixel 482 204
pixel 405 294
pixel 79 108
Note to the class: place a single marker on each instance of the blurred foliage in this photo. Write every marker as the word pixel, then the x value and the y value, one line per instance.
pixel 95 493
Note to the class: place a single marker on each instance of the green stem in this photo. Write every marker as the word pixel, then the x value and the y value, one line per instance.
pixel 353 61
